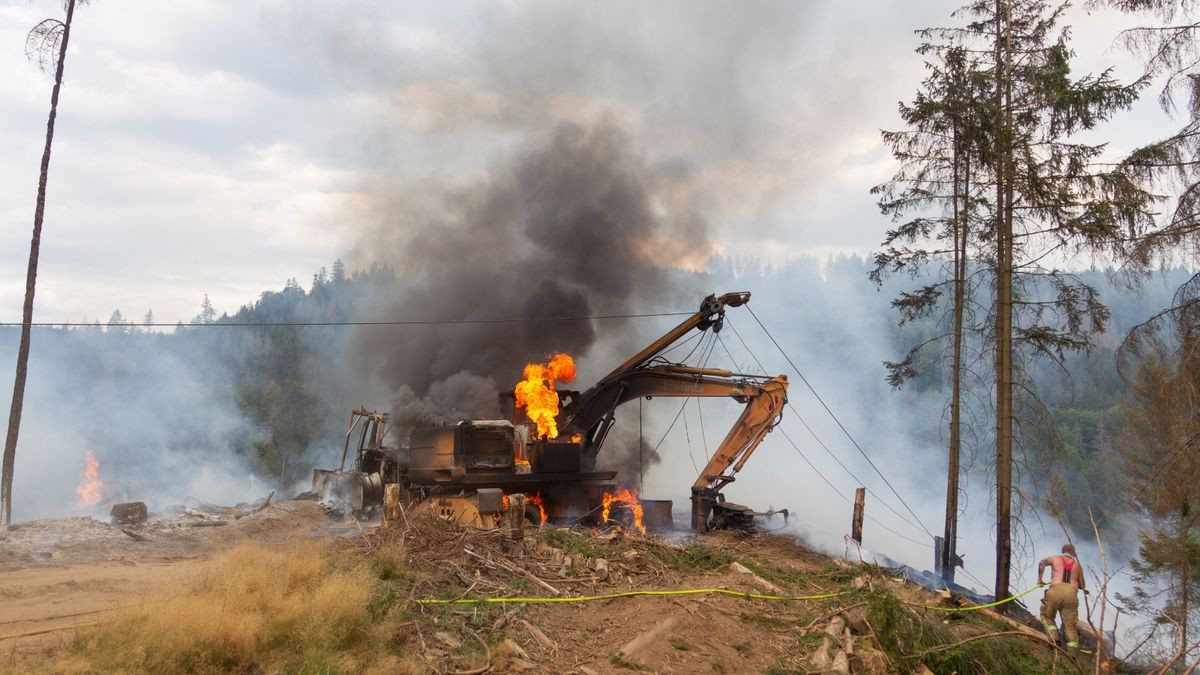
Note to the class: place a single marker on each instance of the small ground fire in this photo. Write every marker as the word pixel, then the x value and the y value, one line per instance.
pixel 90 484
pixel 629 499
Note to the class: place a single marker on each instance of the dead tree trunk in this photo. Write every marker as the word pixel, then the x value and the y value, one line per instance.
pixel 18 399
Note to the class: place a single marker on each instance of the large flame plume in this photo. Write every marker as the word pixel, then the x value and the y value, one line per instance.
pixel 537 393
pixel 90 484
pixel 628 498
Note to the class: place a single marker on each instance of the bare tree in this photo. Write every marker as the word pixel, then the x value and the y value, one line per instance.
pixel 46 44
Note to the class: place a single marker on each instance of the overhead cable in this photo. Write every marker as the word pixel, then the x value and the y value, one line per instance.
pixel 413 322
pixel 838 421
pixel 812 432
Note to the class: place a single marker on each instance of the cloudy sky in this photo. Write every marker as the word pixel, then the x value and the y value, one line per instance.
pixel 221 148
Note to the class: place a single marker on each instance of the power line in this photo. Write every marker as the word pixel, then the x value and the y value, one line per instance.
pixel 812 432
pixel 415 322
pixel 839 492
pixel 817 438
pixel 845 468
pixel 839 422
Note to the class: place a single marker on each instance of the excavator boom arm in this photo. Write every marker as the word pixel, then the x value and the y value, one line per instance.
pixel 592 413
pixel 763 411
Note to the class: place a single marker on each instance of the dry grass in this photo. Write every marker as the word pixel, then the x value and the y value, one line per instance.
pixel 298 609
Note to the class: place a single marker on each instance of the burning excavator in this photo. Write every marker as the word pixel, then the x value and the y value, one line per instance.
pixel 547 449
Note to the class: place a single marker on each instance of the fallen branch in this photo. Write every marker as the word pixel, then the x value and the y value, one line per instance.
pixel 540 636
pixel 647 638
pixel 827 617
pixel 135 536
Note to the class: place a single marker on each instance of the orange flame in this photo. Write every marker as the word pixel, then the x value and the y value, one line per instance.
pixel 90 484
pixel 535 499
pixel 630 499
pixel 537 394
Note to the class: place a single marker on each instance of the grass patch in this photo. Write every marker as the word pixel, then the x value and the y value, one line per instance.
pixel 694 559
pixel 742 648
pixel 778 574
pixel 297 609
pixel 842 574
pixel 578 544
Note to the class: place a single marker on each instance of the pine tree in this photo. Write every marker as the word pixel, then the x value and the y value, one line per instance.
pixel 46 43
pixel 1171 51
pixel 339 271
pixel 117 322
pixel 207 314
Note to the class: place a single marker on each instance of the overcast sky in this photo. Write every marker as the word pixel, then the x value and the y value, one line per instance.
pixel 221 148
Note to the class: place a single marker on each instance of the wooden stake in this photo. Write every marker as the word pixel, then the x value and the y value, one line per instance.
pixel 860 496
pixel 391 504
pixel 516 519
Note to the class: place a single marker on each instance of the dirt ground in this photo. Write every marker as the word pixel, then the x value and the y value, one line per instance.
pixel 62 574
pixel 61 577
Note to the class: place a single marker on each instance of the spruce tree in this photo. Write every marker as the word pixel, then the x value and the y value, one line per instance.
pixel 1048 199
pixel 1160 361
pixel 936 191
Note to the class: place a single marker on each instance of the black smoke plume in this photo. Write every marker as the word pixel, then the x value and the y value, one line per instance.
pixel 574 225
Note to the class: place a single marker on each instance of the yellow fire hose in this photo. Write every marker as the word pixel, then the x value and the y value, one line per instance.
pixel 972 608
pixel 698 591
pixel 630 594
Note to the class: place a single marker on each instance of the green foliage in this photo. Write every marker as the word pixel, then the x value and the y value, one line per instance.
pixel 904 637
pixel 694 559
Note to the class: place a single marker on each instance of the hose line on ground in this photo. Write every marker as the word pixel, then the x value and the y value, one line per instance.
pixel 700 591
pixel 630 594
pixel 972 608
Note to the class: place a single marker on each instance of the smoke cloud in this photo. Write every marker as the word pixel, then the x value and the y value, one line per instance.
pixel 574 224
pixel 159 419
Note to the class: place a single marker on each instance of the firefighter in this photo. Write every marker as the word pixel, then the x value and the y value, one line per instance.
pixel 1066 580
